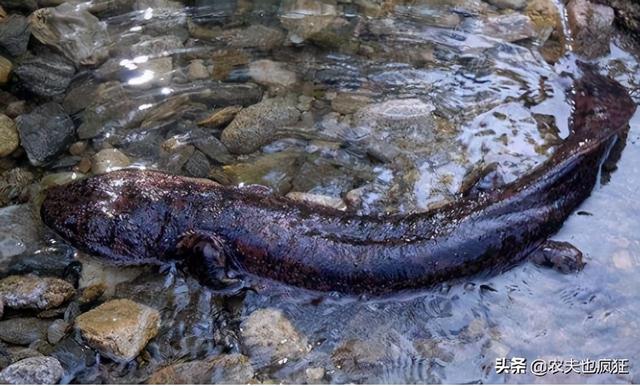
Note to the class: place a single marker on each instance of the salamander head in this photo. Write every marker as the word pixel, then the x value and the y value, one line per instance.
pixel 123 217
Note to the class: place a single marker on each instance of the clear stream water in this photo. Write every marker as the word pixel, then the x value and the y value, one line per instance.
pixel 397 105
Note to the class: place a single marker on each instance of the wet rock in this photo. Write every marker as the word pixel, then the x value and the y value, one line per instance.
pixel 111 110
pixel 57 330
pixel 109 159
pixel 217 94
pixel 256 36
pixel 198 165
pixel 272 170
pixel 23 331
pixel 348 103
pixel 509 4
pixel 361 358
pixel 270 337
pixel 119 329
pixel 5 70
pixel 34 370
pixel 45 132
pixel 220 117
pixel 80 94
pixel 72 30
pixel 256 125
pixel 332 202
pixel 305 18
pixel 46 74
pixel 559 255
pixel 74 356
pixel 627 13
pixel 56 261
pixel 14 34
pixel 20 231
pixel 197 70
pixel 9 140
pixel 155 72
pixel 547 22
pixel 314 374
pixel 30 291
pixel 591 26
pixel 511 28
pixel 234 368
pixel 272 74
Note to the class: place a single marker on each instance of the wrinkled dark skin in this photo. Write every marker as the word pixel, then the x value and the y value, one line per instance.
pixel 138 217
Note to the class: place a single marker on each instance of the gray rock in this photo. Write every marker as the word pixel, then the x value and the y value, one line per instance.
pixel 23 331
pixel 270 337
pixel 111 110
pixel 210 146
pixel 14 34
pixel 33 292
pixel 222 369
pixel 272 74
pixel 591 26
pixel 218 94
pixel 57 330
pixel 24 5
pixel 35 370
pixel 75 32
pixel 197 165
pixel 47 74
pixel 509 4
pixel 45 132
pixel 256 125
pixel 627 13
pixel 20 231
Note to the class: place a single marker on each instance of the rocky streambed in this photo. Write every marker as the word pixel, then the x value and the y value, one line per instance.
pixel 365 105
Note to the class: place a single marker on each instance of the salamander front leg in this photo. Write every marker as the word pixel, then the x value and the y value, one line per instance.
pixel 560 255
pixel 206 257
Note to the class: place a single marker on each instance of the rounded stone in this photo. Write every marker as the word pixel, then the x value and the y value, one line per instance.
pixel 9 139
pixel 271 338
pixel 119 329
pixel 108 160
pixel 40 370
pixel 33 292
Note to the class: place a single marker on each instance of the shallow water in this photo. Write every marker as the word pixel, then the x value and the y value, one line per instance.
pixel 394 110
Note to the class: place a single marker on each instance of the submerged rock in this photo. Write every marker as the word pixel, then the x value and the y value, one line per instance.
pixel 119 329
pixel 14 34
pixel 23 331
pixel 320 199
pixel 74 31
pixel 109 159
pixel 9 140
pixel 6 67
pixel 256 125
pixel 591 26
pixel 20 231
pixel 270 337
pixel 275 171
pixel 46 74
pixel 272 74
pixel 509 4
pixel 30 291
pixel 45 132
pixel 234 368
pixel 35 370
pixel 547 22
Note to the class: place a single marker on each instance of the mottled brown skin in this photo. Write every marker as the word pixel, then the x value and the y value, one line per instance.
pixel 138 217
